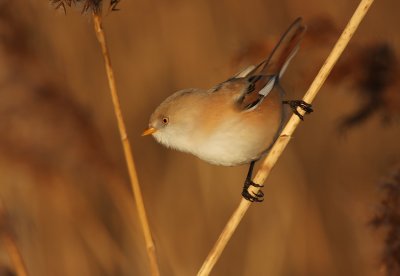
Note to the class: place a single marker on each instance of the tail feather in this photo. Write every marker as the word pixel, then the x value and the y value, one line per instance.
pixel 283 52
pixel 262 81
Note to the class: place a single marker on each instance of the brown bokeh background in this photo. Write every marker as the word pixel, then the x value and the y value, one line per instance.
pixel 63 178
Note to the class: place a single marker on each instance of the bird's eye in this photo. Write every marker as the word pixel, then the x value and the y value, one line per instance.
pixel 165 120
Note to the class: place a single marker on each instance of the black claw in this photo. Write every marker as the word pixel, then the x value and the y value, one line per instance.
pixel 259 194
pixel 253 197
pixel 255 184
pixel 298 114
pixel 299 103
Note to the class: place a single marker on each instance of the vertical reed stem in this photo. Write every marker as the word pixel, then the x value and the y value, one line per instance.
pixel 127 148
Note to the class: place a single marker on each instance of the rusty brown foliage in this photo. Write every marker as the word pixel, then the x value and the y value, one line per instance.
pixel 388 219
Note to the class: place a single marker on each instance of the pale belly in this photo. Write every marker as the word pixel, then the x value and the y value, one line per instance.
pixel 235 144
pixel 238 137
pixel 230 153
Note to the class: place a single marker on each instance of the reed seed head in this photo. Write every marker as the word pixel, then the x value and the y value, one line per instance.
pixel 92 6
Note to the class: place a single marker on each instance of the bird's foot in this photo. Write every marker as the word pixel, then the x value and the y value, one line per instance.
pixel 251 196
pixel 294 104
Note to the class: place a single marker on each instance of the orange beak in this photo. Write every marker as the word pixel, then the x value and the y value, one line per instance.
pixel 149 131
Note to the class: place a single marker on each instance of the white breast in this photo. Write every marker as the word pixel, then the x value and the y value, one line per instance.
pixel 231 145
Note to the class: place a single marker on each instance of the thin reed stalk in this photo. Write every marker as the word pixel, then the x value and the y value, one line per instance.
pixel 277 149
pixel 10 244
pixel 127 148
pixel 15 255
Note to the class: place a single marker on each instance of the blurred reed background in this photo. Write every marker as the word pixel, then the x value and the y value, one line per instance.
pixel 63 178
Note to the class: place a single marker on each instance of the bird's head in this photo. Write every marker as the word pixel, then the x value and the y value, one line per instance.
pixel 171 123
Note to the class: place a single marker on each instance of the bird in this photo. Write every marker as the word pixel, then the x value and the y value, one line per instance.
pixel 237 121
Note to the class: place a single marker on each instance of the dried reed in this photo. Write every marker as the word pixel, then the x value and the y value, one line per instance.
pixel 127 148
pixel 95 7
pixel 10 244
pixel 277 149
pixel 387 218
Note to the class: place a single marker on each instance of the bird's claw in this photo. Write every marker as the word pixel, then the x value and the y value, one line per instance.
pixel 294 104
pixel 252 197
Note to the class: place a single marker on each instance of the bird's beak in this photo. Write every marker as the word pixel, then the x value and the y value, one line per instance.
pixel 149 131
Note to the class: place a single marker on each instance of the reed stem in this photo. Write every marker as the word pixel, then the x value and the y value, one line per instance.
pixel 277 149
pixel 10 244
pixel 137 194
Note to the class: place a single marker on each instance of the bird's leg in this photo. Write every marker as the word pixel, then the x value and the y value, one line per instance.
pixel 299 103
pixel 247 183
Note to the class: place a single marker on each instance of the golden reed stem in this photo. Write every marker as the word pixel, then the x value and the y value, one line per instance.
pixel 15 255
pixel 150 248
pixel 277 149
pixel 10 244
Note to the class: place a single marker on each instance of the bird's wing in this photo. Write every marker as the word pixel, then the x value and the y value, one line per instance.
pixel 247 93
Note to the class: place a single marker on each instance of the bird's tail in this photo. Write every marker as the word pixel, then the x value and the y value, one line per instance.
pixel 283 52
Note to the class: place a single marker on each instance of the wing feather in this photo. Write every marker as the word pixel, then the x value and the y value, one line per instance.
pixel 254 84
